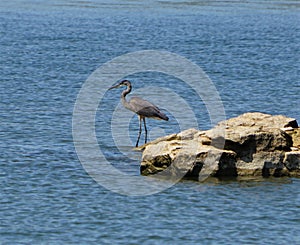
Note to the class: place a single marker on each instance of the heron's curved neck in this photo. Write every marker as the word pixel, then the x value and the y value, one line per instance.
pixel 124 93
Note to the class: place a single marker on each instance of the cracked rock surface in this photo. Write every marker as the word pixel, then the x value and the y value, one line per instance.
pixel 252 144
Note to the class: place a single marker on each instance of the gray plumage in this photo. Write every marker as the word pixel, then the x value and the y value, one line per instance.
pixel 141 107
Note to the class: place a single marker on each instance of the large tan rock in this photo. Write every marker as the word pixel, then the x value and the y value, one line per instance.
pixel 257 119
pixel 295 134
pixel 292 162
pixel 253 144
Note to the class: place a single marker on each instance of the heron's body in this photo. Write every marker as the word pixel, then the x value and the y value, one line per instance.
pixel 141 107
pixel 144 108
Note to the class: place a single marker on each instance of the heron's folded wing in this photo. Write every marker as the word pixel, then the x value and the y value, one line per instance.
pixel 138 104
pixel 146 109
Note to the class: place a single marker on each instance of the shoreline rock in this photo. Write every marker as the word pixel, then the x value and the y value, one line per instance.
pixel 250 145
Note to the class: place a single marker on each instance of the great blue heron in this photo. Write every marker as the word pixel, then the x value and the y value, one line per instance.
pixel 142 108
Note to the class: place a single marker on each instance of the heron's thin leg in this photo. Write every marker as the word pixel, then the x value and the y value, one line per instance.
pixel 144 119
pixel 140 131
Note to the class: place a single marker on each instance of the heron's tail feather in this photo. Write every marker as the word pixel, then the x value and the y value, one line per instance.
pixel 163 116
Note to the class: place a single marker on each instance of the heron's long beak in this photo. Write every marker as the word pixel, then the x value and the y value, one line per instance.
pixel 116 86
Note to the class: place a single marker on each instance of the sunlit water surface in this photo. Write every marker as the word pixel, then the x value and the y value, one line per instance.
pixel 47 51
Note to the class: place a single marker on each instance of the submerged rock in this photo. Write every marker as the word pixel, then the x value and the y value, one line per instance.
pixel 253 144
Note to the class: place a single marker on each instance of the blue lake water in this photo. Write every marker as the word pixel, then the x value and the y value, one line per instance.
pixel 47 51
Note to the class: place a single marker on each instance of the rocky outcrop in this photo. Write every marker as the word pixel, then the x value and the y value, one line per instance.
pixel 253 144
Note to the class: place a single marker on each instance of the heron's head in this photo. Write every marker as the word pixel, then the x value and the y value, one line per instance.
pixel 123 83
